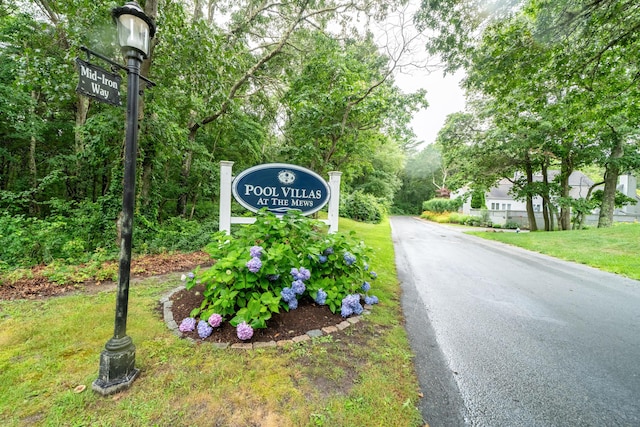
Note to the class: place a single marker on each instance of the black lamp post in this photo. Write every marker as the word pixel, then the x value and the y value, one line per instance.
pixel 117 360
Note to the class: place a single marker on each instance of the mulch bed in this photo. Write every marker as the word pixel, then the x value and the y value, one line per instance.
pixel 39 286
pixel 282 326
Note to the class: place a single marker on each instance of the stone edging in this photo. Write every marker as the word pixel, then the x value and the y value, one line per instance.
pixel 327 330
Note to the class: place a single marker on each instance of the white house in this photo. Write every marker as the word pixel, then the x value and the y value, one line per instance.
pixel 499 198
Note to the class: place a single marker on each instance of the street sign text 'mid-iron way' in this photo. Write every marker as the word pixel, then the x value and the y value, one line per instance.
pixel 98 83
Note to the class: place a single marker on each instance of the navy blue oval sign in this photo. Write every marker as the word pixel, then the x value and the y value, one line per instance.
pixel 280 187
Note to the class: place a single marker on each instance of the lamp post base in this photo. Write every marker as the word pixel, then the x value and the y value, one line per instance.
pixel 117 367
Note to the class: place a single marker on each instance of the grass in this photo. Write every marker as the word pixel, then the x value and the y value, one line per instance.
pixel 49 347
pixel 613 249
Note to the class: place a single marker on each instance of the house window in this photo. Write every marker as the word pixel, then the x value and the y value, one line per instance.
pixel 536 208
pixel 495 206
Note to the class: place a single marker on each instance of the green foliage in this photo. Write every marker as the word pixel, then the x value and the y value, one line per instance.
pixel 286 243
pixel 174 234
pixel 363 207
pixel 442 205
pixel 478 199
pixel 511 225
pixel 76 234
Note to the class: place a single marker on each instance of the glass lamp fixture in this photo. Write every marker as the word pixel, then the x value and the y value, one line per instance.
pixel 135 29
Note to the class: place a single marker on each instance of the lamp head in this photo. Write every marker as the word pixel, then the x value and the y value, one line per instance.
pixel 135 29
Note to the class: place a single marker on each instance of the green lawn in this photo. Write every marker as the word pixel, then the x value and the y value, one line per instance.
pixel 49 347
pixel 615 249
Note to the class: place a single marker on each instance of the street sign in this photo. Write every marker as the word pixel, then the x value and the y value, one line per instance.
pixel 98 83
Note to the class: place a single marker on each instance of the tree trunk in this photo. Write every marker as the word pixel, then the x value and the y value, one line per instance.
pixel 185 172
pixel 564 220
pixel 531 216
pixel 546 202
pixel 612 170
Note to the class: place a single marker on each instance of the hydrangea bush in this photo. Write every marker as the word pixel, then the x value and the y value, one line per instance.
pixel 270 265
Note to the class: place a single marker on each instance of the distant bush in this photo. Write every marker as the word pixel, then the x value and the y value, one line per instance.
pixel 511 225
pixel 362 207
pixel 457 218
pixel 442 205
pixel 439 217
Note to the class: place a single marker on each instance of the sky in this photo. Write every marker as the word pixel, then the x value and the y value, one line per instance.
pixel 444 96
pixel 416 70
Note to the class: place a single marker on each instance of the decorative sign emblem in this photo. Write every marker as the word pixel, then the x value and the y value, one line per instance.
pixel 98 83
pixel 279 188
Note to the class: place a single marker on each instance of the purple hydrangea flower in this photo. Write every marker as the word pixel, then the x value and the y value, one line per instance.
pixel 190 275
pixel 349 258
pixel 204 329
pixel 287 294
pixel 298 287
pixel 350 305
pixel 371 300
pixel 322 259
pixel 300 274
pixel 374 275
pixel 321 297
pixel 244 331
pixel 346 311
pixel 187 325
pixel 328 251
pixel 293 304
pixel 304 274
pixel 256 251
pixel 358 309
pixel 254 264
pixel 215 320
pixel 273 277
pixel 366 286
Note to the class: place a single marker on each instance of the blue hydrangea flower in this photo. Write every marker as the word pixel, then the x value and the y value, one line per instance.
pixel 349 259
pixel 371 300
pixel 374 275
pixel 215 320
pixel 190 275
pixel 254 264
pixel 350 305
pixel 300 274
pixel 293 304
pixel 358 309
pixel 366 286
pixel 322 259
pixel 244 331
pixel 287 294
pixel 328 251
pixel 345 310
pixel 204 329
pixel 366 266
pixel 187 325
pixel 321 297
pixel 298 287
pixel 256 251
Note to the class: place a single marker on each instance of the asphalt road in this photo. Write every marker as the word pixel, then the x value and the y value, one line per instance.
pixel 508 337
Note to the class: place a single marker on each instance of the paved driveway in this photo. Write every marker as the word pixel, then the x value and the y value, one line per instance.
pixel 507 337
